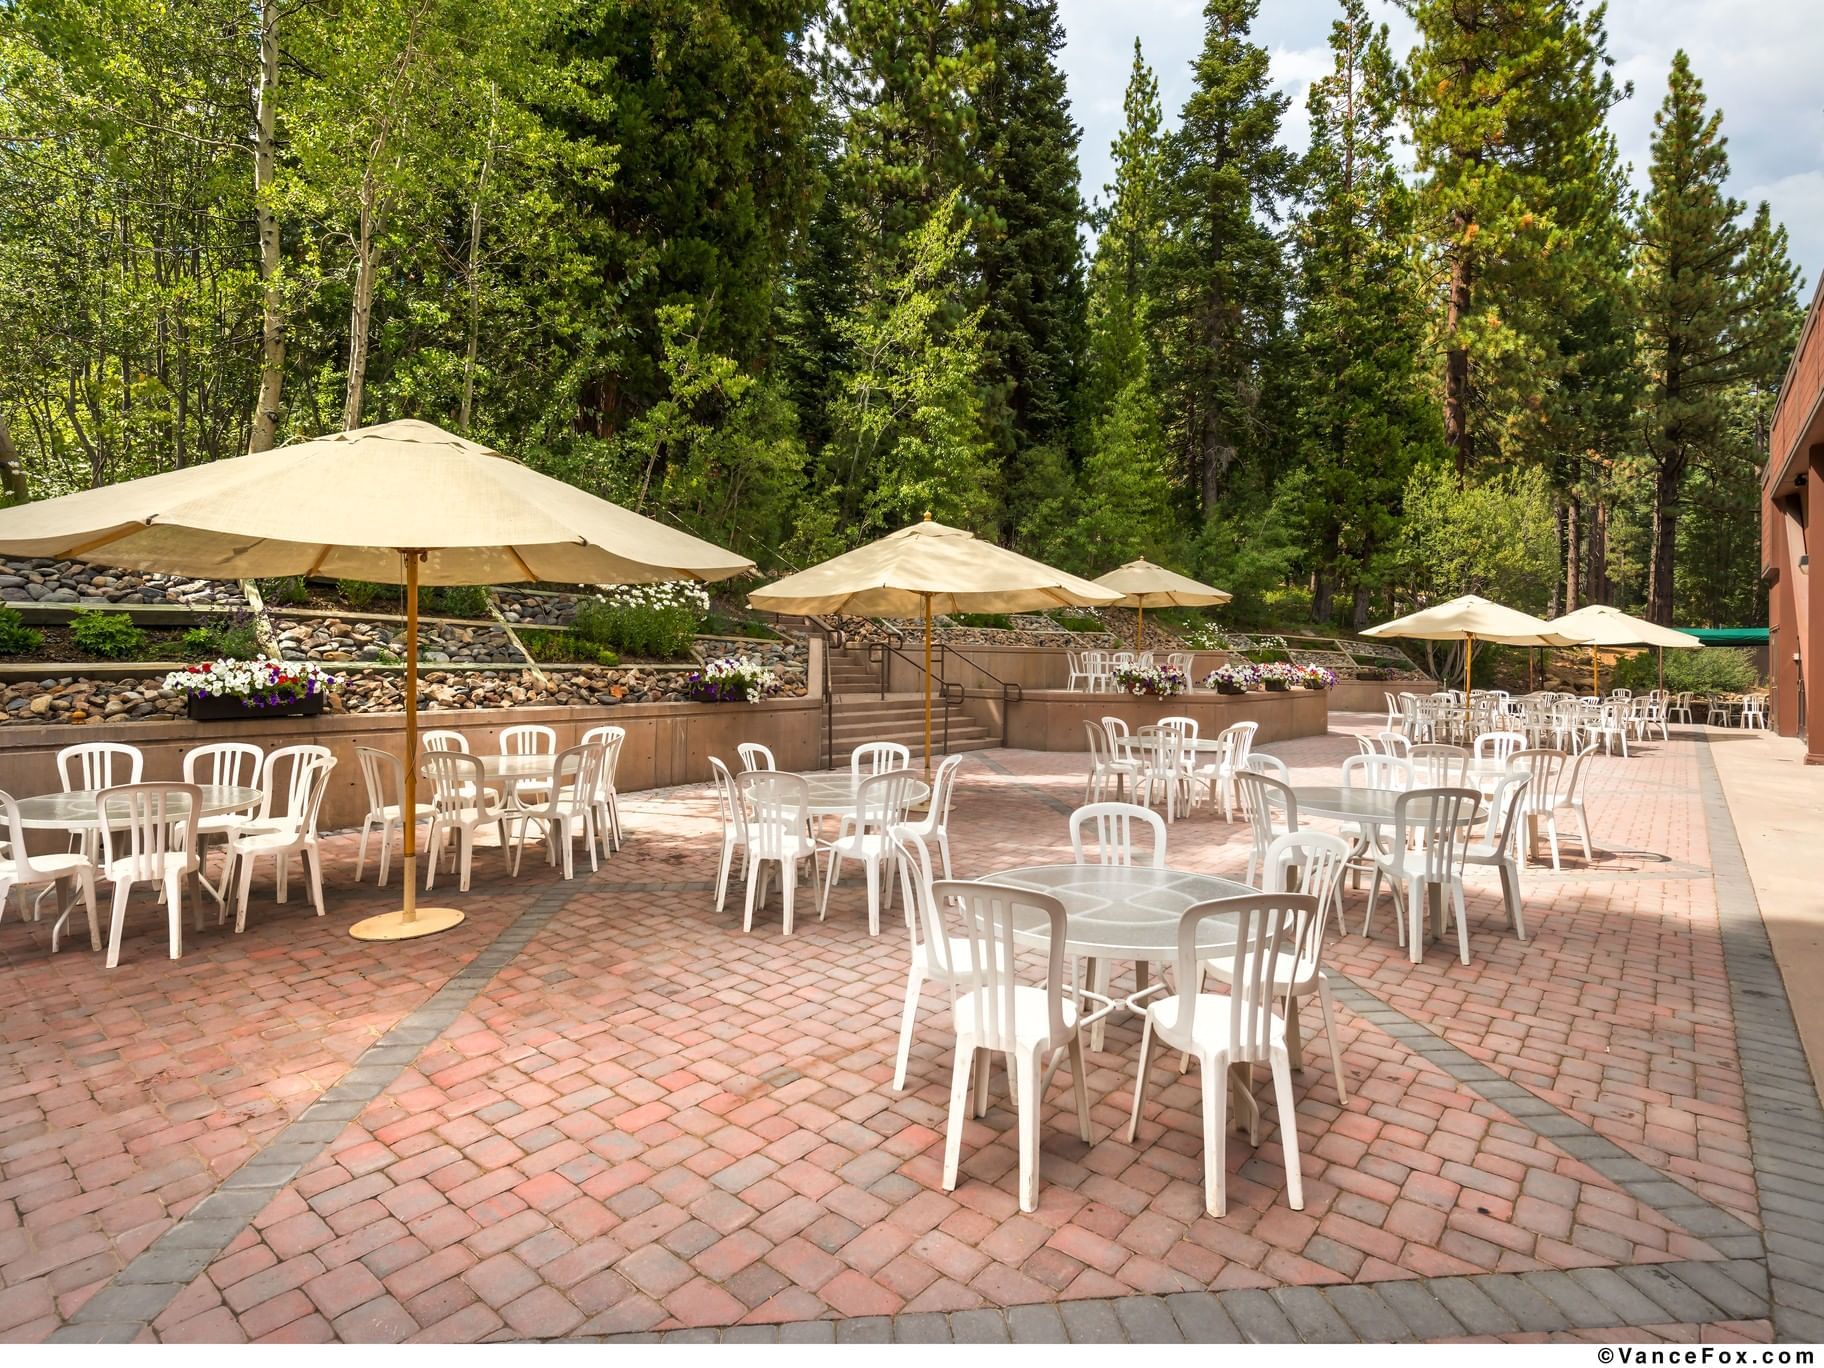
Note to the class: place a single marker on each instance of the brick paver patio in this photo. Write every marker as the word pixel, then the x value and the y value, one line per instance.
pixel 597 1108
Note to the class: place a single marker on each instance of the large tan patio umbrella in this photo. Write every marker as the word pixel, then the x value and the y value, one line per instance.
pixel 403 502
pixel 924 569
pixel 1470 619
pixel 1601 625
pixel 1143 585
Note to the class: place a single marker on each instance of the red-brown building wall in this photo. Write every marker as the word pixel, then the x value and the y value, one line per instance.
pixel 1792 527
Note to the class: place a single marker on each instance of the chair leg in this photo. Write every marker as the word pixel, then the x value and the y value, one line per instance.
pixel 1146 1055
pixel 386 849
pixel 1583 830
pixel 1336 1048
pixel 985 1067
pixel 122 889
pixel 788 890
pixel 959 1099
pixel 243 891
pixel 174 911
pixel 1374 896
pixel 313 868
pixel 1080 1086
pixel 753 884
pixel 1215 1081
pixel 1295 1040
pixel 871 868
pixel 1456 897
pixel 1288 1128
pixel 1510 893
pixel 367 830
pixel 728 860
pixel 1024 1071
pixel 915 981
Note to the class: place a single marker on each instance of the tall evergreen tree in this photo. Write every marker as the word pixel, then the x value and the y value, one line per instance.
pixel 1506 104
pixel 1364 415
pixel 1715 308
pixel 1027 255
pixel 1219 287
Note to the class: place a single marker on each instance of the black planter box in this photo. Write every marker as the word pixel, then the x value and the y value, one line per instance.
pixel 200 708
pixel 1276 686
pixel 1231 689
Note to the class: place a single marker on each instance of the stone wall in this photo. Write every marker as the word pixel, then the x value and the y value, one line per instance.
pixel 440 642
pixel 66 582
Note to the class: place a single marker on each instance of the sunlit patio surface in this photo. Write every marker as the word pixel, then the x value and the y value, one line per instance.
pixel 597 1108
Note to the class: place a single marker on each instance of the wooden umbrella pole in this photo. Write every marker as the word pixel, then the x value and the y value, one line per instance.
pixel 1140 630
pixel 927 685
pixel 1595 677
pixel 411 920
pixel 1662 669
pixel 1469 655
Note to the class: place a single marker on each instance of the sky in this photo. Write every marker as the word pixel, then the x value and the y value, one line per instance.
pixel 1760 62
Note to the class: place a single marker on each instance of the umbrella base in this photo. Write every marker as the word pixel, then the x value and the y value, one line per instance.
pixel 392 926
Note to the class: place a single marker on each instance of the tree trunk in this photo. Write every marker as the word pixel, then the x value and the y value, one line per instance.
pixel 361 312
pixel 12 472
pixel 1600 590
pixel 1359 617
pixel 1456 360
pixel 1666 483
pixel 272 320
pixel 481 190
pixel 1571 522
pixel 1323 596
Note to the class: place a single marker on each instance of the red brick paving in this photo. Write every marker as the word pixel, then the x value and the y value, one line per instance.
pixel 649 1120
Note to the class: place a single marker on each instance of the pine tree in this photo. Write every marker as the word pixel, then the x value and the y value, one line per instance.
pixel 1506 104
pixel 1219 286
pixel 1364 416
pixel 1715 308
pixel 1027 256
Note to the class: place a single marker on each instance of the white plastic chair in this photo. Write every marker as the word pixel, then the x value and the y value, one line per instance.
pixel 146 838
pixel 66 874
pixel 1031 1024
pixel 1165 761
pixel 1235 743
pixel 934 827
pixel 1754 712
pixel 1544 769
pixel 755 756
pixel 607 793
pixel 442 740
pixel 779 812
pixel 1439 765
pixel 1241 1028
pixel 1610 727
pixel 1498 745
pixel 383 776
pixel 281 830
pixel 528 738
pixel 935 953
pixel 99 765
pixel 734 827
pixel 1430 839
pixel 880 808
pixel 878 757
pixel 1105 766
pixel 1073 662
pixel 1113 842
pixel 1261 795
pixel 566 810
pixel 222 764
pixel 461 803
pixel 1497 847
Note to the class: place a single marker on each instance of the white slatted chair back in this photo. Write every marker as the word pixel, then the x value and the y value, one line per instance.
pixel 943 793
pixel 1113 832
pixel 1117 730
pixel 1436 819
pixel 1377 771
pixel 1312 863
pixel 610 739
pixel 728 802
pixel 455 779
pixel 1395 743
pixel 927 926
pixel 224 764
pixel 1267 925
pixel 1506 808
pixel 1270 807
pixel 382 775
pixel 1545 770
pixel 882 801
pixel 1259 762
pixel 755 756
pixel 286 780
pixel 528 738
pixel 1184 726
pixel 444 740
pixel 991 913
pixel 879 757
pixel 1499 745
pixel 99 765
pixel 147 826
pixel 778 807
pixel 1436 765
pixel 1237 744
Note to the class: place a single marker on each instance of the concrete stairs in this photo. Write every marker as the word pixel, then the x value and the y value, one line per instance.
pixel 861 715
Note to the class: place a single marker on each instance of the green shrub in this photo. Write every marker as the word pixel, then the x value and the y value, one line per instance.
pixel 107 636
pixel 15 637
pixel 365 593
pixel 288 592
pixel 234 639
pixel 454 600
pixel 717 624
pixel 1078 622
pixel 1712 670
pixel 1002 621
pixel 566 648
pixel 644 621
pixel 1267 656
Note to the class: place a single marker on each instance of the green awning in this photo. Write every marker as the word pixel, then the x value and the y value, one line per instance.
pixel 1729 636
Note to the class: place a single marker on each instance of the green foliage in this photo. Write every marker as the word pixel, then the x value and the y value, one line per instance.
pixel 107 635
pixel 365 593
pixel 454 600
pixel 289 592
pixel 224 639
pixel 634 626
pixel 718 624
pixel 1077 622
pixel 994 621
pixel 1497 538
pixel 566 648
pixel 15 637
pixel 1710 670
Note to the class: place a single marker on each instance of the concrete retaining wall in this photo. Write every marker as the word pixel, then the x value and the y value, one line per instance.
pixel 1052 719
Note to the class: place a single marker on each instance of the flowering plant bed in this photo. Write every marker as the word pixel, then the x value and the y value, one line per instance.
pixel 1151 681
pixel 1316 676
pixel 1232 679
pixel 1279 675
pixel 731 679
pixel 221 689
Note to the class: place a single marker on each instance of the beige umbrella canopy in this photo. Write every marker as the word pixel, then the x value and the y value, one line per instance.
pixel 1470 619
pixel 924 569
pixel 1601 625
pixel 403 502
pixel 1144 585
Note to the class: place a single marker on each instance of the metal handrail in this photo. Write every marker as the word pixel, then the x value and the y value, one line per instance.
pixel 943 686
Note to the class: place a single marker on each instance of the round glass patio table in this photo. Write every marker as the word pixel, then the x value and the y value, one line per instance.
pixel 1125 912
pixel 1369 806
pixel 834 793
pixel 76 809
